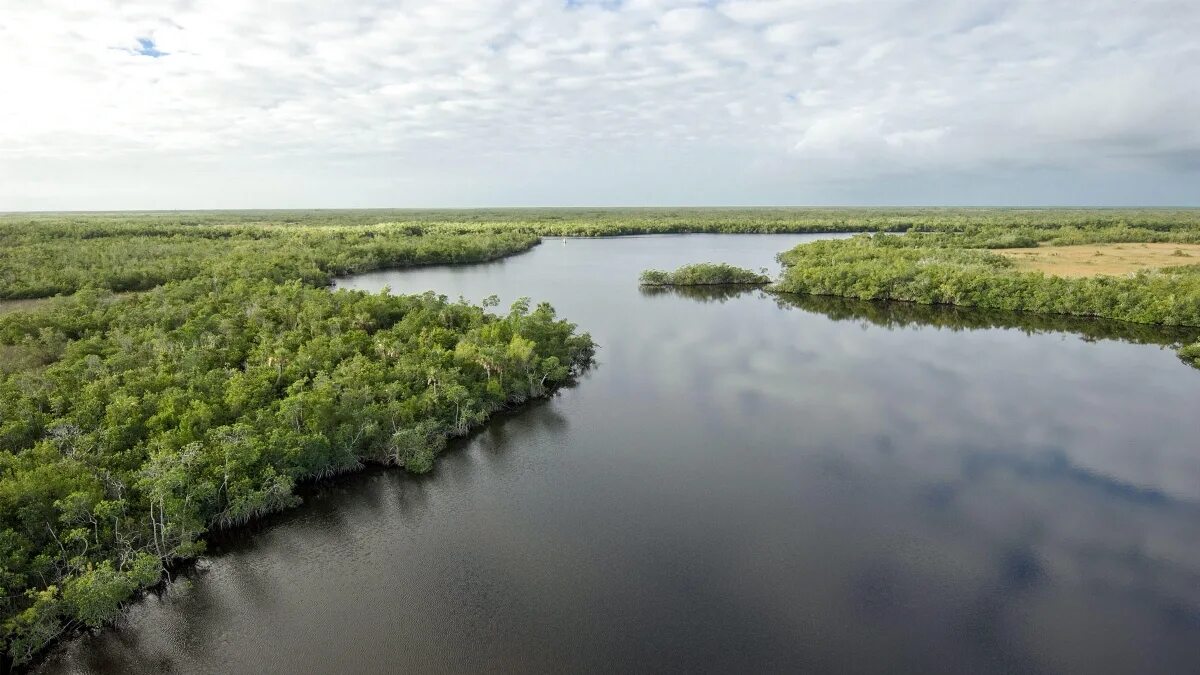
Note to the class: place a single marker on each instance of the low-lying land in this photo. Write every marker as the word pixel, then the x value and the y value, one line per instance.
pixel 130 425
pixel 1103 259
pixel 704 274
pixel 51 253
pixel 935 271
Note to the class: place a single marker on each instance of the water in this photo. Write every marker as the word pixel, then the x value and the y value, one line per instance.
pixel 739 485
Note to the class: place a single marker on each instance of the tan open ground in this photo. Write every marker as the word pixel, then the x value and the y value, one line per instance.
pixel 16 305
pixel 1097 259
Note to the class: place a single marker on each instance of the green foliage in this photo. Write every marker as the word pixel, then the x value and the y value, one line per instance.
pixel 41 257
pixel 890 268
pixel 94 595
pixel 704 274
pixel 1191 354
pixel 415 447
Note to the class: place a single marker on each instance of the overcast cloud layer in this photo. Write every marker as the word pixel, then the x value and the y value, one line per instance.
pixel 198 104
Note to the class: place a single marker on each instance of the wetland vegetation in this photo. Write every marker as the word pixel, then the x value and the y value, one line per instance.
pixel 1137 269
pixel 705 274
pixel 52 253
pixel 914 268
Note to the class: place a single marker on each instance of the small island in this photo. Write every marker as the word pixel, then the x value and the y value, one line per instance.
pixel 705 274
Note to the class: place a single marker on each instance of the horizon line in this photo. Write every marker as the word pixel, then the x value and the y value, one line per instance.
pixel 798 207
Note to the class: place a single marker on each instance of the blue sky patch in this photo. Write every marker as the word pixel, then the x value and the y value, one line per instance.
pixel 147 48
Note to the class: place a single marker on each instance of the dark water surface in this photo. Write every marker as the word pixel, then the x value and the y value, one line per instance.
pixel 741 484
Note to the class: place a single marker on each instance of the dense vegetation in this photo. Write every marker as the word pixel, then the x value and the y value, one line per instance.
pixel 704 274
pixel 131 426
pixel 44 259
pixel 1191 354
pixel 933 270
pixel 46 254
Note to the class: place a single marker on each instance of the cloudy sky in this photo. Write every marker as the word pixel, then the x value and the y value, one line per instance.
pixel 235 104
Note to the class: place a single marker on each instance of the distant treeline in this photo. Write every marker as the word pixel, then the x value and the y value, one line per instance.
pixel 45 260
pixel 48 254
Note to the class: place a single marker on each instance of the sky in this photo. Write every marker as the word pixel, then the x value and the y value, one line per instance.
pixel 452 103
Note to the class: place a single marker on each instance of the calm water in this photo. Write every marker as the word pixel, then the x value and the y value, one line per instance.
pixel 739 485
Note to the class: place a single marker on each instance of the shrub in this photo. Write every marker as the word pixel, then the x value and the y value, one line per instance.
pixel 704 274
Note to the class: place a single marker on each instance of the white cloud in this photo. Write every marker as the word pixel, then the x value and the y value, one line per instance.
pixel 789 93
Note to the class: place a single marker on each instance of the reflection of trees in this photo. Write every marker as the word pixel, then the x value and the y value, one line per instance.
pixel 891 314
pixel 706 293
pixel 894 314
